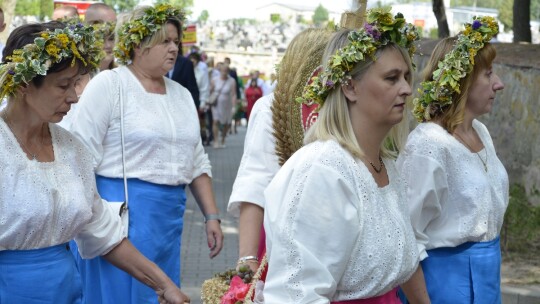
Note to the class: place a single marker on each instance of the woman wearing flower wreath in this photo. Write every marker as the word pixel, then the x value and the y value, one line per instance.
pixel 49 194
pixel 457 210
pixel 336 220
pixel 164 152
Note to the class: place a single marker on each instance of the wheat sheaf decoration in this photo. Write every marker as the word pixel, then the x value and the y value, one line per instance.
pixel 303 57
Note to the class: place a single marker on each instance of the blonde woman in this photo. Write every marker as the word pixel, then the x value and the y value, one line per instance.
pixel 164 152
pixel 335 216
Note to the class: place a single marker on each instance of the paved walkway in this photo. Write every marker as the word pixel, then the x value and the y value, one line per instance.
pixel 197 266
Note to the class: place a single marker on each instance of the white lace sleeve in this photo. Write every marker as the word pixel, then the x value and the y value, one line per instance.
pixel 92 117
pixel 312 225
pixel 427 189
pixel 102 233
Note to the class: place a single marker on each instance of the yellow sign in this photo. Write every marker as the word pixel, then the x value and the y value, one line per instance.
pixel 189 36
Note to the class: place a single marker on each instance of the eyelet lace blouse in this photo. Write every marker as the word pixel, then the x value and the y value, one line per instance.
pixel 452 199
pixel 162 134
pixel 332 232
pixel 43 204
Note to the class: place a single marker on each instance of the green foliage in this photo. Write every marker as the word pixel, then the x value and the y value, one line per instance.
pixel 521 229
pixel 275 18
pixel 40 8
pixel 203 17
pixel 186 5
pixel 320 15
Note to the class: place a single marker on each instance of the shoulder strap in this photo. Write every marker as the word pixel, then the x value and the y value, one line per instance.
pixel 121 97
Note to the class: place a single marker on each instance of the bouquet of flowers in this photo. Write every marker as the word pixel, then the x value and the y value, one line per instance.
pixel 241 286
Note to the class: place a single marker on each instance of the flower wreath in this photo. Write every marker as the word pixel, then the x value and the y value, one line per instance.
pixel 74 41
pixel 104 29
pixel 380 30
pixel 437 94
pixel 133 32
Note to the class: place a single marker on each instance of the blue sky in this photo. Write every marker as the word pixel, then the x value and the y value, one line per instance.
pixel 227 9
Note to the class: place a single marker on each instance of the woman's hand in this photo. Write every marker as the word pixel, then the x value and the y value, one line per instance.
pixel 214 237
pixel 172 295
pixel 252 264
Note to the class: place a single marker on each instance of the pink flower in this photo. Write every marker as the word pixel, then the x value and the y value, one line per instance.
pixel 237 291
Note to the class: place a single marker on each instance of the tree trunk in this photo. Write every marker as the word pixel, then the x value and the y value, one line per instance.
pixel 442 22
pixel 9 11
pixel 522 21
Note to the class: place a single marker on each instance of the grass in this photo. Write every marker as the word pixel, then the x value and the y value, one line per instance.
pixel 520 235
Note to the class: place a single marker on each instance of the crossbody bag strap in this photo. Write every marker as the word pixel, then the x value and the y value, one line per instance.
pixel 121 98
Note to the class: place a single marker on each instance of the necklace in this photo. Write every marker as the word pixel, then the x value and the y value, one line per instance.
pixel 25 149
pixel 381 165
pixel 477 154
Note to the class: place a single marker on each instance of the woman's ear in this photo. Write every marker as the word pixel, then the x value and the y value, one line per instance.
pixel 348 91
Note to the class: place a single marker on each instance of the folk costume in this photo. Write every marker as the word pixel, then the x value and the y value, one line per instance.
pixel 164 153
pixel 44 205
pixel 457 198
pixel 336 235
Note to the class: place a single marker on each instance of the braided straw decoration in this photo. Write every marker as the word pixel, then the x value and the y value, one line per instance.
pixel 297 65
pixel 256 278
pixel 302 57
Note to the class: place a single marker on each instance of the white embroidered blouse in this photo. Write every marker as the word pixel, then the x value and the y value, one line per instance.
pixel 334 234
pixel 162 134
pixel 259 162
pixel 452 199
pixel 43 204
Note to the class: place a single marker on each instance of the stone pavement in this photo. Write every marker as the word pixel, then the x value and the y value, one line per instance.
pixel 197 266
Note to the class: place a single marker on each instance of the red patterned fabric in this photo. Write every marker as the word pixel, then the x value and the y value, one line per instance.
pixel 390 297
pixel 309 115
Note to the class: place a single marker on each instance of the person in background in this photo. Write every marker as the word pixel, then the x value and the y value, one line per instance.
pixel 457 207
pixel 271 83
pixel 253 93
pixel 203 83
pixel 98 13
pixel 65 12
pixel 255 75
pixel 49 194
pixel 184 74
pixel 345 175
pixel 164 152
pixel 225 86
pixel 103 19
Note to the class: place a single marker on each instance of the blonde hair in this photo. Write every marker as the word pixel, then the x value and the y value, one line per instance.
pixel 334 121
pixel 452 116
pixel 151 40
pixel 302 57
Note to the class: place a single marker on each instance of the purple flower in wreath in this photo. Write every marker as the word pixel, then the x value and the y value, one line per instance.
pixel 372 31
pixel 476 24
pixel 11 72
pixel 329 83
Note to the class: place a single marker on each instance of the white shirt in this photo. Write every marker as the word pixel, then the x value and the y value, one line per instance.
pixel 452 199
pixel 162 134
pixel 203 83
pixel 259 162
pixel 43 204
pixel 332 232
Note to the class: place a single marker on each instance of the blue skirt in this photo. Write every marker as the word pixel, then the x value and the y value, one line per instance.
pixel 466 274
pixel 155 228
pixel 39 276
